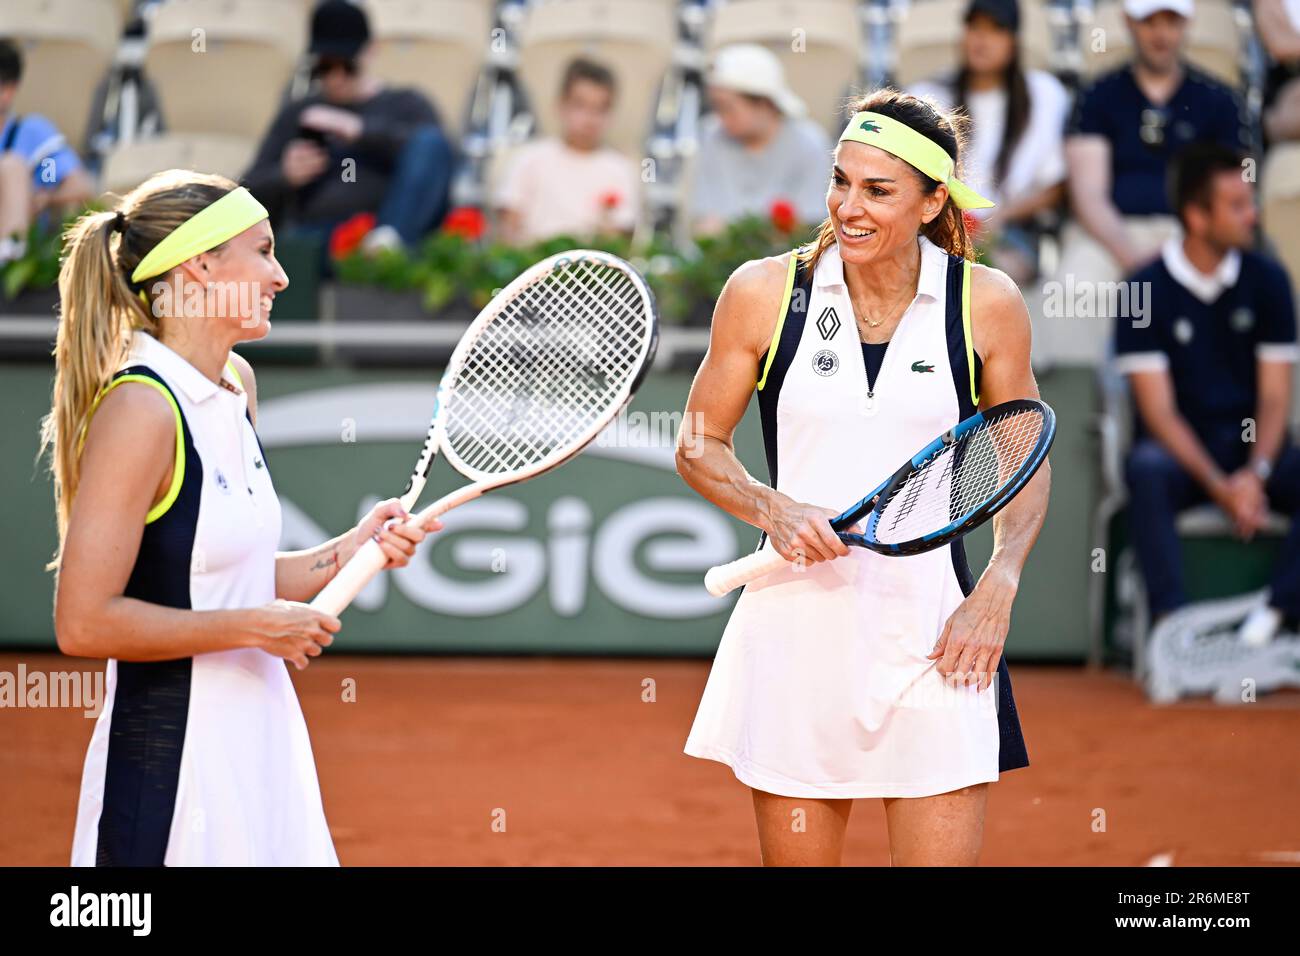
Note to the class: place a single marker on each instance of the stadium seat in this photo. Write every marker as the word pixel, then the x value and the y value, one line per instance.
pixel 633 38
pixel 234 86
pixel 129 164
pixel 436 46
pixel 825 70
pixel 67 46
pixel 929 32
pixel 1280 199
pixel 1214 41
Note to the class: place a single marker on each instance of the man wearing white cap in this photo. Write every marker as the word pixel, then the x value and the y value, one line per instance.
pixel 1126 128
pixel 757 146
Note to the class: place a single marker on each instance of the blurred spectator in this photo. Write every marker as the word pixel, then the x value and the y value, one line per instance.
pixel 758 146
pixel 1015 151
pixel 1125 129
pixel 1211 362
pixel 39 171
pixel 572 184
pixel 354 146
pixel 1278 24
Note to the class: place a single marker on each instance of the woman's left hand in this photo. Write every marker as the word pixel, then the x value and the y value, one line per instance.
pixel 398 539
pixel 970 646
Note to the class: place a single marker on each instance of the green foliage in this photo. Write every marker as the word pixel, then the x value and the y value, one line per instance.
pixel 450 270
pixel 38 267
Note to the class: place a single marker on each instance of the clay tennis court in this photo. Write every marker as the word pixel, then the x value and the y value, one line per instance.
pixel 584 770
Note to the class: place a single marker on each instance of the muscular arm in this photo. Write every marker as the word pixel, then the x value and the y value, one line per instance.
pixel 743 322
pixel 970 646
pixel 1001 331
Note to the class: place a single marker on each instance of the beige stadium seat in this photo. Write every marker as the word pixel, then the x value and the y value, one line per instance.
pixel 436 46
pixel 1214 41
pixel 130 164
pixel 928 36
pixel 1280 201
pixel 821 64
pixel 633 38
pixel 234 86
pixel 67 47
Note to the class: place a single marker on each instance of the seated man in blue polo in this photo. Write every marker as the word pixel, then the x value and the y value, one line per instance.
pixel 1211 365
pixel 1124 130
pixel 39 172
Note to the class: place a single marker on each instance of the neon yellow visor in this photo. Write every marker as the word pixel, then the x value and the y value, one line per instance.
pixel 912 147
pixel 206 229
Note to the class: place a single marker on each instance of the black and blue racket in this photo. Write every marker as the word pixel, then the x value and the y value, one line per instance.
pixel 947 489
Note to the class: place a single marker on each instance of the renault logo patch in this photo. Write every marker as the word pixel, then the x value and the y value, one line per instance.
pixel 826 363
pixel 828 323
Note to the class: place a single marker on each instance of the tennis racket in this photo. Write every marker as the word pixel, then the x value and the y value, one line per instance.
pixel 947 489
pixel 547 364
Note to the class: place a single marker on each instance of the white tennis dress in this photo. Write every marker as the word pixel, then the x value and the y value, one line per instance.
pixel 204 760
pixel 821 686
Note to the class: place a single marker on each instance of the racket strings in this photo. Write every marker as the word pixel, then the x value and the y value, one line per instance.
pixel 961 477
pixel 547 368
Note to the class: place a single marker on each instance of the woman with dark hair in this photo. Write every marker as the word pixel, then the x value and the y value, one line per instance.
pixel 851 674
pixel 1015 153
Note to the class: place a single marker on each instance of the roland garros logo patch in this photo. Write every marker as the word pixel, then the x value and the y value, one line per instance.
pixel 826 363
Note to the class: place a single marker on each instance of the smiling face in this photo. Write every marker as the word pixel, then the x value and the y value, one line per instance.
pixel 876 203
pixel 240 279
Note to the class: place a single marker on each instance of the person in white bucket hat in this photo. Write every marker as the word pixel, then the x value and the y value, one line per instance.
pixel 758 148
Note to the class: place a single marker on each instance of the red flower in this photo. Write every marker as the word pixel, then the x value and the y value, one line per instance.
pixel 465 221
pixel 608 200
pixel 348 234
pixel 783 215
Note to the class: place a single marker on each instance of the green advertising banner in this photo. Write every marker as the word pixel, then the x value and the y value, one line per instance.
pixel 605 555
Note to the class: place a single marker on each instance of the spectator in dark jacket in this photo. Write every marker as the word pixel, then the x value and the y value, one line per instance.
pixel 354 146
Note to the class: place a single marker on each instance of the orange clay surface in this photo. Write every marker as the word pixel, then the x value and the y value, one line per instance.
pixel 583 770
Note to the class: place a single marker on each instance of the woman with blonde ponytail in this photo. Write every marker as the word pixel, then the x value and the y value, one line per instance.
pixel 168 527
pixel 851 674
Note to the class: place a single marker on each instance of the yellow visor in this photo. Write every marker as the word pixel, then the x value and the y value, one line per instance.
pixel 914 148
pixel 206 229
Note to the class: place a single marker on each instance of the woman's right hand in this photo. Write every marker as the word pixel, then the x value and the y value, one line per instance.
pixel 291 630
pixel 802 533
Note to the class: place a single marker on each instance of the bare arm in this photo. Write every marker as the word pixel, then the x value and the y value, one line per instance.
pixel 126 467
pixel 743 322
pixel 971 643
pixel 1153 394
pixel 300 575
pixel 1273 406
pixel 1279 37
pixel 1003 329
pixel 1088 160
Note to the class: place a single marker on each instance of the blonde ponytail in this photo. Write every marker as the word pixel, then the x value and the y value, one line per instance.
pixel 99 308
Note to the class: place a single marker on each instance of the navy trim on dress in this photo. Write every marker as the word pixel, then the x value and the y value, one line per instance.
pixel 151 698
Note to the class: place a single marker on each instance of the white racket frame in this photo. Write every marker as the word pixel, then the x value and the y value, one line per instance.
pixel 369 559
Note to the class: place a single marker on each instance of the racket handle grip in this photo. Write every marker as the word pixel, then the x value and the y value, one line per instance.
pixel 725 578
pixel 352 577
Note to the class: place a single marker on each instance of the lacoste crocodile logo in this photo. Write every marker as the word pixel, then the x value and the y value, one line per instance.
pixel 920 366
pixel 870 126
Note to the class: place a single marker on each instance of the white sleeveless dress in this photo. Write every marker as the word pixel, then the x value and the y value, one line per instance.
pixel 821 686
pixel 205 760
